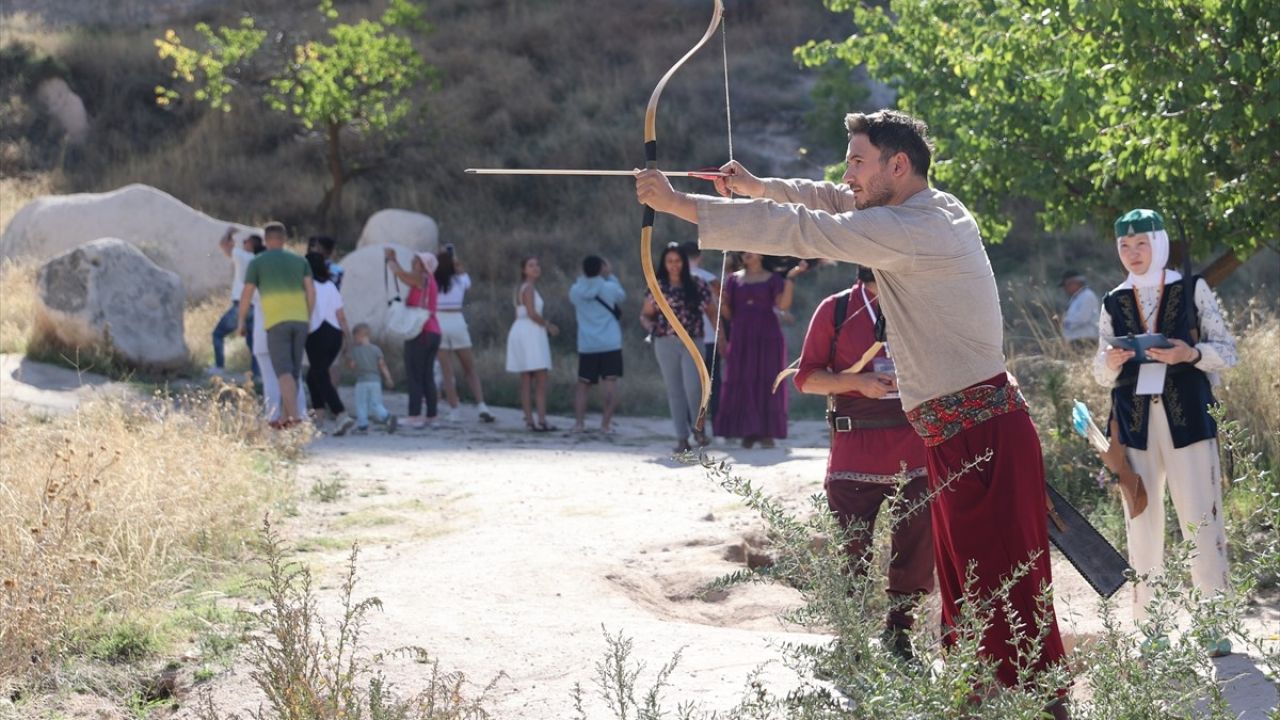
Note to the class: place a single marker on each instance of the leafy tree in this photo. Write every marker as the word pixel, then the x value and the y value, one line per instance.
pixel 355 77
pixel 1091 107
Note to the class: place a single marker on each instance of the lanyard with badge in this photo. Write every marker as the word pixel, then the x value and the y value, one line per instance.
pixel 1151 374
pixel 880 364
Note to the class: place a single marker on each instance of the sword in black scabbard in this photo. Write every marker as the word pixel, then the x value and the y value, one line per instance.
pixel 1100 564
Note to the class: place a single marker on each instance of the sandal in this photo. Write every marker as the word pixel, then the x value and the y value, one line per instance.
pixel 543 427
pixel 530 426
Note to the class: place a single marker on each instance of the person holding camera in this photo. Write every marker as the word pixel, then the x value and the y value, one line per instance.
pixel 455 339
pixel 597 301
pixel 753 299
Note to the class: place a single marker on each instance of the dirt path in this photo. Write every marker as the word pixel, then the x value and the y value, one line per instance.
pixel 497 549
pixel 502 550
pixel 25 384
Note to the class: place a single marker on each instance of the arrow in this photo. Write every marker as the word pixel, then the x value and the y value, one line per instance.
pixel 703 174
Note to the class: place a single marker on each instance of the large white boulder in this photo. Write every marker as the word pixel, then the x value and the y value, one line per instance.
pixel 364 298
pixel 106 295
pixel 175 236
pixel 400 227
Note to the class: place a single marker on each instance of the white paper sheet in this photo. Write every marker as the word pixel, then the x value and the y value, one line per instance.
pixel 885 365
pixel 1151 378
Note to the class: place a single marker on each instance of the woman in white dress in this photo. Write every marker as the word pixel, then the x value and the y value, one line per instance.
pixel 528 349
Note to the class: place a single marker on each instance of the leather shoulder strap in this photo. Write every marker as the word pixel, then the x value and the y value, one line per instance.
pixel 838 317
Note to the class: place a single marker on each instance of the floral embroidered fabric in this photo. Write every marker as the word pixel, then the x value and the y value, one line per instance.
pixel 878 479
pixel 690 316
pixel 940 419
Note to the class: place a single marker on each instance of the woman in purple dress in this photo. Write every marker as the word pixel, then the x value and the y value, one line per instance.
pixel 753 299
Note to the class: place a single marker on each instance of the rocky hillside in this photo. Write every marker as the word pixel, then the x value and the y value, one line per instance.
pixel 520 83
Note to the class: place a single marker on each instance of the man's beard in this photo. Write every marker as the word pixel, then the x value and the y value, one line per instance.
pixel 873 195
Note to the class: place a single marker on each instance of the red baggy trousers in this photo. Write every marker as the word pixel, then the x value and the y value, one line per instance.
pixel 911 547
pixel 993 517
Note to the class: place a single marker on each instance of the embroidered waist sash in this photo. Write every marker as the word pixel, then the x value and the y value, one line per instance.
pixel 942 418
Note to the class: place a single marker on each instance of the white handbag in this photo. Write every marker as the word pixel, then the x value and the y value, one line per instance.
pixel 404 322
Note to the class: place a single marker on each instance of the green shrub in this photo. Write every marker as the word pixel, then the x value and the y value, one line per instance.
pixel 853 676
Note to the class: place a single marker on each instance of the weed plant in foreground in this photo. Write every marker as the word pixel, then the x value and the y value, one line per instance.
pixel 112 512
pixel 1111 676
pixel 310 669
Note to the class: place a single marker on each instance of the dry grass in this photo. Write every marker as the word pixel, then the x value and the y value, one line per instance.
pixel 109 512
pixel 17 321
pixel 1251 392
pixel 197 326
pixel 17 304
pixel 18 190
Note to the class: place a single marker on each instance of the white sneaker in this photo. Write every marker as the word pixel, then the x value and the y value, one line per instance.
pixel 453 416
pixel 343 424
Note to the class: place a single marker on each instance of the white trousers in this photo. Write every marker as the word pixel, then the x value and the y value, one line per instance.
pixel 1194 479
pixel 271 388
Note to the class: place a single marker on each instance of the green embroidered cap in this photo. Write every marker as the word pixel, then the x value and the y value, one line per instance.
pixel 1139 221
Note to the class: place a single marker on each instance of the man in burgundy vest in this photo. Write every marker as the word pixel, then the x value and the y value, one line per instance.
pixel 871 442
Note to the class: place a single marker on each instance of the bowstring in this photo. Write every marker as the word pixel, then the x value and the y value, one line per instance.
pixel 724 255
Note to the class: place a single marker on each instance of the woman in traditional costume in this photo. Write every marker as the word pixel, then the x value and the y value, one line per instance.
pixel 1161 405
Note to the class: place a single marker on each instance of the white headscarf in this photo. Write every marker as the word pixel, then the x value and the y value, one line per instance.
pixel 1159 240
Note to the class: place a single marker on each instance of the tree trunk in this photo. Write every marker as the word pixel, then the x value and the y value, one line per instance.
pixel 1221 268
pixel 332 201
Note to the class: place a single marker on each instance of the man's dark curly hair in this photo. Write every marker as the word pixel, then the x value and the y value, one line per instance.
pixel 895 132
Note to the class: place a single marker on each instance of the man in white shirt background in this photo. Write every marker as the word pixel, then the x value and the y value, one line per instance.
pixel 1080 320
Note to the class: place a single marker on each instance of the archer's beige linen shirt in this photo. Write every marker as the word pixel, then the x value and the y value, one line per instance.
pixel 936 286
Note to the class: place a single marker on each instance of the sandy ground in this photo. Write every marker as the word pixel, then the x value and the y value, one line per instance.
pixel 501 550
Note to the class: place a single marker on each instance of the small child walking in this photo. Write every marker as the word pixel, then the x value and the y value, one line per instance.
pixel 371 372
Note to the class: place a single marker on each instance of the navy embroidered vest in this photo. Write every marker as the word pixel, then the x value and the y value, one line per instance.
pixel 1187 394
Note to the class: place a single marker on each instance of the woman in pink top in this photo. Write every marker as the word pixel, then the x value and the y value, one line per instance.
pixel 420 352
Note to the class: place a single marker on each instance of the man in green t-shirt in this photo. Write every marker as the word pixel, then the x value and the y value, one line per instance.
pixel 286 294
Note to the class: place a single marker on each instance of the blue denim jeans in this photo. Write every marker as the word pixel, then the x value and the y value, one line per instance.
pixel 369 401
pixel 226 325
